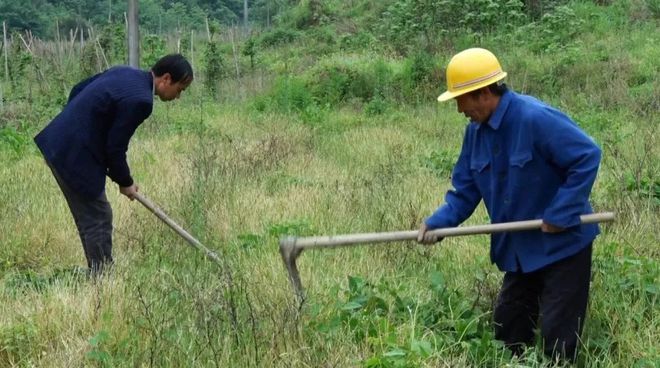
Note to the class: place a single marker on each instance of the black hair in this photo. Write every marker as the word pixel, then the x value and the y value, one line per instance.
pixel 495 88
pixel 176 65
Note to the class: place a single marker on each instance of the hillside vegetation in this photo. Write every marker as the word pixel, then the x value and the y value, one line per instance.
pixel 323 122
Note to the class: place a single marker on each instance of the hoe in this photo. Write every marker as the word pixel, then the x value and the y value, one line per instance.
pixel 178 229
pixel 291 247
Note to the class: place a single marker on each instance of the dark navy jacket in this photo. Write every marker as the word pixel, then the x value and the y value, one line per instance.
pixel 529 161
pixel 89 138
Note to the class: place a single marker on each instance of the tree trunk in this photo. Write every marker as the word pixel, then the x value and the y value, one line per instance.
pixel 133 34
pixel 6 46
pixel 245 16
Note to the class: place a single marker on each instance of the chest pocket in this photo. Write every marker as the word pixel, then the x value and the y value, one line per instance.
pixel 480 170
pixel 521 171
pixel 520 159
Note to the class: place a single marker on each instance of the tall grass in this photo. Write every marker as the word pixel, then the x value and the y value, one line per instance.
pixel 242 173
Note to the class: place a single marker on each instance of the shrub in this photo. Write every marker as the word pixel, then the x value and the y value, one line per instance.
pixel 358 41
pixel 290 94
pixel 420 78
pixel 112 40
pixel 309 13
pixel 413 24
pixel 554 31
pixel 153 48
pixel 337 83
pixel 214 66
pixel 250 50
pixel 377 106
pixel 278 36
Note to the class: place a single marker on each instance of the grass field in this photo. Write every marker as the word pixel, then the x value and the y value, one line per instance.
pixel 239 176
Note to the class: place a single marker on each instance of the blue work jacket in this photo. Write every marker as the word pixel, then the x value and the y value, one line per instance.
pixel 89 138
pixel 528 161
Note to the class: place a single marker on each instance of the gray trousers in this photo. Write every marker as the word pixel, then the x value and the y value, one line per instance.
pixel 93 218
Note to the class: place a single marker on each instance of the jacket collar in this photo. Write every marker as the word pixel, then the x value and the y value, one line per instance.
pixel 495 119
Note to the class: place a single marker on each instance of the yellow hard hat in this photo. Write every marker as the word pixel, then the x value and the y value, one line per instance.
pixel 470 70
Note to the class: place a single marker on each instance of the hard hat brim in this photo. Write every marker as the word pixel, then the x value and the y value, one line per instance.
pixel 448 95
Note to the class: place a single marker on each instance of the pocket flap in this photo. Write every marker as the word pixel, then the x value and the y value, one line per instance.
pixel 520 158
pixel 479 165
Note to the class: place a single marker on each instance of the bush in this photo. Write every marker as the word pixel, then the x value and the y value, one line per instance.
pixel 112 41
pixel 410 25
pixel 377 106
pixel 359 41
pixel 290 94
pixel 214 66
pixel 554 31
pixel 153 48
pixel 309 13
pixel 278 36
pixel 335 84
pixel 420 78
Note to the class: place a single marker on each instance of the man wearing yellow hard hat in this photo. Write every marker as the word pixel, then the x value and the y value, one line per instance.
pixel 525 160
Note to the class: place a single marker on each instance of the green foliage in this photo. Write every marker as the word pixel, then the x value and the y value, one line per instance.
pixel 98 354
pixel 20 61
pixel 14 143
pixel 278 36
pixel 403 331
pixel 249 241
pixel 337 83
pixel 240 180
pixel 90 61
pixel 323 39
pixel 293 227
pixel 554 31
pixel 359 41
pixel 290 94
pixel 156 16
pixel 153 48
pixel 28 280
pixel 377 106
pixel 17 341
pixel 420 78
pixel 654 8
pixel 112 41
pixel 413 24
pixel 441 163
pixel 307 14
pixel 250 50
pixel 644 187
pixel 214 67
pixel 31 15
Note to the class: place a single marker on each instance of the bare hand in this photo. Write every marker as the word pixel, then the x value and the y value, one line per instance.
pixel 552 229
pixel 425 237
pixel 129 191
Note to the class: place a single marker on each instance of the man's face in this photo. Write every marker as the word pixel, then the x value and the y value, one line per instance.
pixel 474 107
pixel 168 91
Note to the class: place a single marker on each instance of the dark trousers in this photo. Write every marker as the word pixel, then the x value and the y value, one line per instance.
pixel 93 218
pixel 557 294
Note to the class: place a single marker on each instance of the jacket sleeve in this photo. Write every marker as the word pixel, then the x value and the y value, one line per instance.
pixel 130 114
pixel 578 157
pixel 461 201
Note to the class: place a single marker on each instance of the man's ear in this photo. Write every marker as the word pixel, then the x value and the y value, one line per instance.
pixel 167 77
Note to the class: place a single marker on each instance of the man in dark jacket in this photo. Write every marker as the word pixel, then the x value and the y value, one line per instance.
pixel 525 160
pixel 89 139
